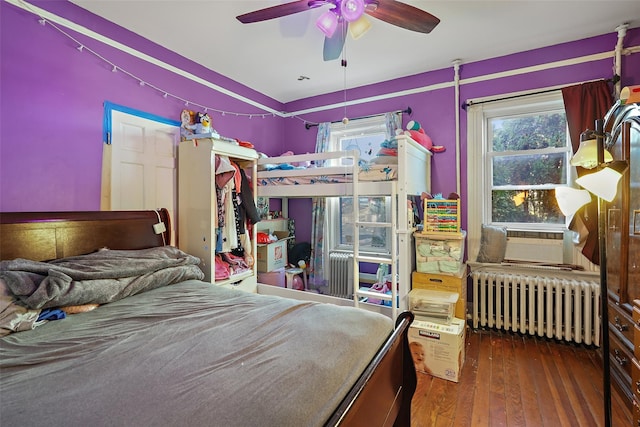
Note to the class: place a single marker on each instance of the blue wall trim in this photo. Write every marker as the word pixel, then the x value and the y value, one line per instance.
pixel 110 106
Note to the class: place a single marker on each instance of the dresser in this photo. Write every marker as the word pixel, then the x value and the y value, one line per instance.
pixel 623 262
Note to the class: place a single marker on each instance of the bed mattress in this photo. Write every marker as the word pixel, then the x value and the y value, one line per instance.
pixel 189 354
pixel 374 172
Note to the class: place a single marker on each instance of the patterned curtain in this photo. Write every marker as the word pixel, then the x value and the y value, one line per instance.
pixel 394 122
pixel 316 276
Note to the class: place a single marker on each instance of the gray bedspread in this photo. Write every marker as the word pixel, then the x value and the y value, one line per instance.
pixel 100 277
pixel 190 354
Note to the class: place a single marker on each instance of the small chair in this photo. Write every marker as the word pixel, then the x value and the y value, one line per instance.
pixel 290 273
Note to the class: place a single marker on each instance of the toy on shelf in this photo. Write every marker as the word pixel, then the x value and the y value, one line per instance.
pixel 196 125
pixel 186 119
pixel 417 133
pixel 441 215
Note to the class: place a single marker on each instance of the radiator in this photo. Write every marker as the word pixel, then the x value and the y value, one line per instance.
pixel 341 274
pixel 561 308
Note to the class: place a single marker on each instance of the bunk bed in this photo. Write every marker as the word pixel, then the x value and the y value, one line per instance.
pixel 338 174
pixel 182 350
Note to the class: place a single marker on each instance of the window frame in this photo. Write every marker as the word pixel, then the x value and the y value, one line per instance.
pixel 355 128
pixel 479 163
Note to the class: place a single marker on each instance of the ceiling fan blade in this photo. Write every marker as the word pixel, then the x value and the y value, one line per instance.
pixel 333 46
pixel 278 11
pixel 404 16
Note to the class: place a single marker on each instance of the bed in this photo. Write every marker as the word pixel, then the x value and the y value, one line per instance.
pixel 332 173
pixel 335 174
pixel 185 352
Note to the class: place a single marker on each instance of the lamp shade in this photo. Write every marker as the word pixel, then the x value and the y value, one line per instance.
pixel 587 155
pixel 359 27
pixel 351 10
pixel 571 199
pixel 603 183
pixel 327 23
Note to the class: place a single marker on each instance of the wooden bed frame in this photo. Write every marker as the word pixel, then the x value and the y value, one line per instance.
pixel 381 396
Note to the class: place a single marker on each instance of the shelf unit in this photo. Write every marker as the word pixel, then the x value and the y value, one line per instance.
pixel 197 205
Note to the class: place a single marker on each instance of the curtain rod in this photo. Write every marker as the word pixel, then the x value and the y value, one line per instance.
pixel 614 80
pixel 408 110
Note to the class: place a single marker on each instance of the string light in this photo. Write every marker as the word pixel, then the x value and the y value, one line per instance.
pixel 115 68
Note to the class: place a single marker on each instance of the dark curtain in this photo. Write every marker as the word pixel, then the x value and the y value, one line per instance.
pixel 584 104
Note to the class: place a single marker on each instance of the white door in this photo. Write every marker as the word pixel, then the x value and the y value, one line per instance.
pixel 142 165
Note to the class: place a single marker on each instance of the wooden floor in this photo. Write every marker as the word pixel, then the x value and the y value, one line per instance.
pixel 515 380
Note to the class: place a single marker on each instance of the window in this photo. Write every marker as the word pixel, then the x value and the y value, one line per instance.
pixel 527 158
pixel 518 153
pixel 364 136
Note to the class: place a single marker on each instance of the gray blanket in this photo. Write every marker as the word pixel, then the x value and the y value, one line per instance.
pixel 190 354
pixel 97 278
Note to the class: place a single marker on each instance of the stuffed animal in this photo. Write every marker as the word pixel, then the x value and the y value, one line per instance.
pixel 201 125
pixel 305 164
pixel 417 133
pixel 186 118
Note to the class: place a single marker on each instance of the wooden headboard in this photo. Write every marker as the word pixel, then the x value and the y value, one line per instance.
pixel 43 236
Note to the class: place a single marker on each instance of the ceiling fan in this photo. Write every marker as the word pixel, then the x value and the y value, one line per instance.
pixel 349 14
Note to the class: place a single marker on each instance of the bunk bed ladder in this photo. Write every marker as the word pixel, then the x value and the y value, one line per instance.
pixel 360 295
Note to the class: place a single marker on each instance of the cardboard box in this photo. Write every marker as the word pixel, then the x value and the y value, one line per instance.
pixel 447 283
pixel 439 253
pixel 273 278
pixel 272 256
pixel 271 225
pixel 438 349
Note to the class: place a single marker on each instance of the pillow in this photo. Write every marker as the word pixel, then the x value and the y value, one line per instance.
pixel 13 316
pixel 384 160
pixel 75 309
pixel 493 244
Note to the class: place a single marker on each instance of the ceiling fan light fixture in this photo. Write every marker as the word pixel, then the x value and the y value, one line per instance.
pixel 351 10
pixel 359 27
pixel 327 23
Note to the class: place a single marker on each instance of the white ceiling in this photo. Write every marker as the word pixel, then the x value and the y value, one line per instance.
pixel 270 56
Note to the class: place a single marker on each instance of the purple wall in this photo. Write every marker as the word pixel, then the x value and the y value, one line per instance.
pixel 435 109
pixel 51 105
